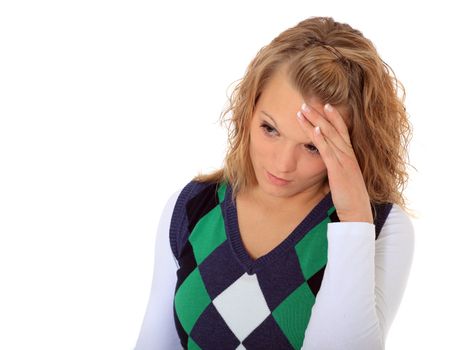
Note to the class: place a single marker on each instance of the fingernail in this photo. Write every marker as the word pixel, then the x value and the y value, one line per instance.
pixel 305 108
pixel 328 107
pixel 317 130
pixel 300 116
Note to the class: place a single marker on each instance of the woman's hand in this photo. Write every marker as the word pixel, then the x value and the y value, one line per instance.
pixel 347 186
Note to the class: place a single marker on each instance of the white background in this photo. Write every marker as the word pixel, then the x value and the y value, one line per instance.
pixel 108 107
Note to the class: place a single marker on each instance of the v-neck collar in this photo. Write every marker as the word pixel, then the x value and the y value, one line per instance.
pixel 233 232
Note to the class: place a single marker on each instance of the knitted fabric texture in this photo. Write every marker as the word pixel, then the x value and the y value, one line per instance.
pixel 224 299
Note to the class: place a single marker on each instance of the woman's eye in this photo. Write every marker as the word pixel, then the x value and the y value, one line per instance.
pixel 312 149
pixel 268 129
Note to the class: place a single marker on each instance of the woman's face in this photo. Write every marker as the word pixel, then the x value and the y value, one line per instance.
pixel 280 147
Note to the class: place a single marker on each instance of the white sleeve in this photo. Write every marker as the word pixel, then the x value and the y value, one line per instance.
pixel 363 284
pixel 158 329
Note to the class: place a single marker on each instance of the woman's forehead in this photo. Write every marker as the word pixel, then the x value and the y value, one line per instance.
pixel 280 92
pixel 277 103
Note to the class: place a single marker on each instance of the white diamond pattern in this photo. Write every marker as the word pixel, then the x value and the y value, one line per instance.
pixel 243 297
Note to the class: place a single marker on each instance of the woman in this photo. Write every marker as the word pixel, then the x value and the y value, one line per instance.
pixel 301 240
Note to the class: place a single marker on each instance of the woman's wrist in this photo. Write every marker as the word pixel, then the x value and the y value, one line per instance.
pixel 358 218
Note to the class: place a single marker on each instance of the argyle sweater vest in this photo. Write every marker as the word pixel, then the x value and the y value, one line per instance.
pixel 226 300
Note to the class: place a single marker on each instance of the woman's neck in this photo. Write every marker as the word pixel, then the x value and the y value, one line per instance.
pixel 278 205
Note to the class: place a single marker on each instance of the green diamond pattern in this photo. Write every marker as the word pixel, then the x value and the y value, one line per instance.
pixel 313 249
pixel 293 314
pixel 191 299
pixel 208 234
pixel 192 345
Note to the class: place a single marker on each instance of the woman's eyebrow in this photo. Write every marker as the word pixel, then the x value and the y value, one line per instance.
pixel 265 113
pixel 270 117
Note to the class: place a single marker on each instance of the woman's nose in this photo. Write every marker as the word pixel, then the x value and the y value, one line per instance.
pixel 286 160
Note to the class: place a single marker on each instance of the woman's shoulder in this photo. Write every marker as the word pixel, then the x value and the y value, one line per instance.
pixel 194 186
pixel 188 204
pixel 397 216
pixel 388 214
pixel 199 189
pixel 196 194
pixel 398 226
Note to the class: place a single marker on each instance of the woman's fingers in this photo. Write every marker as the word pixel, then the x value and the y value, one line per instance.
pixel 338 122
pixel 333 127
pixel 326 149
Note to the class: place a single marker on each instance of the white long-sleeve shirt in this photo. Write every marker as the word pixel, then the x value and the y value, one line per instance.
pixel 362 286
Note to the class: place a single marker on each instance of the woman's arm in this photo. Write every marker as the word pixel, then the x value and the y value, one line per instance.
pixel 158 329
pixel 363 284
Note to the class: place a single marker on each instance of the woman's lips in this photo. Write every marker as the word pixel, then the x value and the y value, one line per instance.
pixel 276 180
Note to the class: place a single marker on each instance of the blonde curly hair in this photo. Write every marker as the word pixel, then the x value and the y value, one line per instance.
pixel 339 65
